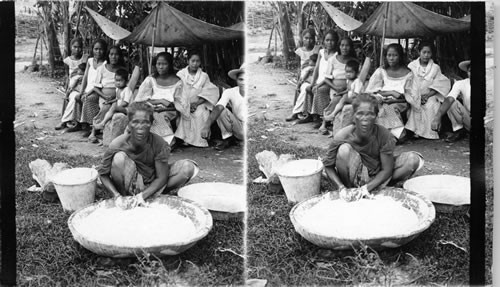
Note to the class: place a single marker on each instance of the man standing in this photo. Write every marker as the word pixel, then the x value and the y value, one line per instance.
pixel 231 123
pixel 136 163
pixel 458 113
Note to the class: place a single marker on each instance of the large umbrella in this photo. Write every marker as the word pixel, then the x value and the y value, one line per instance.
pixel 399 20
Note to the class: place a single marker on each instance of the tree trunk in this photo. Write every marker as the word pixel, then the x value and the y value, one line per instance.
pixel 286 28
pixel 65 17
pixel 300 21
pixel 54 52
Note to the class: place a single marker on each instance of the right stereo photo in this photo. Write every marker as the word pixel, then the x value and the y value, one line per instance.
pixel 359 139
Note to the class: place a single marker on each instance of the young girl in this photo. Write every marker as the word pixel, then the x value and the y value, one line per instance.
pixel 319 92
pixel 305 52
pixel 392 86
pixel 335 76
pixel 163 90
pixel 74 89
pixel 430 87
pixel 76 58
pixel 104 87
pixel 201 95
pixel 86 110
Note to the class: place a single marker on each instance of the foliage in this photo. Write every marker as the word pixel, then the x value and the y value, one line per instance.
pixel 448 52
pixel 128 14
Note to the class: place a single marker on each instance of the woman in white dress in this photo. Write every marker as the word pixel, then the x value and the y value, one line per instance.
pixel 163 90
pixel 430 86
pixel 201 95
pixel 392 86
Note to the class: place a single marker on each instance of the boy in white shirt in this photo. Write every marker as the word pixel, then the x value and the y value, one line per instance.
pixel 230 123
pixel 458 113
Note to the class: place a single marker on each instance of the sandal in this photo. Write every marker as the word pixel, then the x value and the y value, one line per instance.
pixel 292 118
pixel 323 131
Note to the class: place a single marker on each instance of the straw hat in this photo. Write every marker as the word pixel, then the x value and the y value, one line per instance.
pixel 233 74
pixel 464 65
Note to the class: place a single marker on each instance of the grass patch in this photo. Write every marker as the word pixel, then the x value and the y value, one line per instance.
pixel 47 255
pixel 280 255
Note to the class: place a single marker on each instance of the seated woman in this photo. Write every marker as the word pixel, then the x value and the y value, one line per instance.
pixel 91 104
pixel 104 90
pixel 362 154
pixel 136 163
pixel 392 86
pixel 318 93
pixel 163 91
pixel 430 87
pixel 335 76
pixel 201 95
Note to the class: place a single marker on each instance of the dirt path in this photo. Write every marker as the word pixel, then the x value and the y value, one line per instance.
pixel 38 111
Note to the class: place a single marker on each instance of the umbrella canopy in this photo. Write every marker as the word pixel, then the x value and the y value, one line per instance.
pixel 238 26
pixel 167 26
pixel 109 28
pixel 404 20
pixel 171 27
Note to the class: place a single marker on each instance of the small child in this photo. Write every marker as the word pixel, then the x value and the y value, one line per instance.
pixel 354 87
pixel 305 81
pixel 307 71
pixel 75 82
pixel 120 103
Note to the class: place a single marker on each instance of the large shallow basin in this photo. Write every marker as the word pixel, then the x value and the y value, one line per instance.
pixel 223 200
pixel 198 215
pixel 422 207
pixel 449 193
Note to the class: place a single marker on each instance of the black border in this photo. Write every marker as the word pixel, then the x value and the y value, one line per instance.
pixel 477 157
pixel 7 144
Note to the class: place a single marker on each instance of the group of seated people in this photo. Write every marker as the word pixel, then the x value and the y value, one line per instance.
pixel 185 103
pixel 412 98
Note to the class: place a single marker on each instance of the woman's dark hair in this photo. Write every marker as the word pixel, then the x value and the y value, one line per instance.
pixel 399 50
pixel 364 98
pixel 309 31
pixel 352 52
pixel 139 106
pixel 426 44
pixel 76 40
pixel 103 44
pixel 335 38
pixel 170 61
pixel 193 53
pixel 353 64
pixel 121 60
